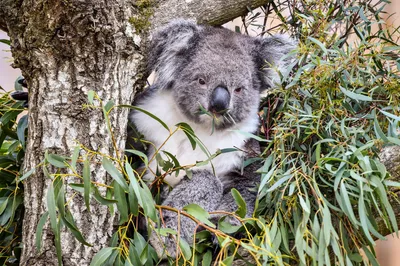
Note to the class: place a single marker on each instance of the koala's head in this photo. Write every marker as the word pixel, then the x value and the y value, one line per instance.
pixel 215 70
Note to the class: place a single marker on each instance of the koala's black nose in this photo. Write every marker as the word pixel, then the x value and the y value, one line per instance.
pixel 220 99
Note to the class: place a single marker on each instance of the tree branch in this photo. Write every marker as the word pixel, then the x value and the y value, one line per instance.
pixel 3 21
pixel 213 12
pixel 3 25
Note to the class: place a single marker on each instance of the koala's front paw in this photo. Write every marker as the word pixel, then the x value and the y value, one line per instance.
pixel 159 243
pixel 169 245
pixel 203 189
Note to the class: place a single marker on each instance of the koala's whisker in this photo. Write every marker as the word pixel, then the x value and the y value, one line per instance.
pixel 231 118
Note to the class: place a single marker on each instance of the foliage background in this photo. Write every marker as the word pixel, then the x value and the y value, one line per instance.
pixel 12 150
pixel 322 186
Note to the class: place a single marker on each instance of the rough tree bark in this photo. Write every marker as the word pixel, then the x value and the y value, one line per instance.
pixel 65 49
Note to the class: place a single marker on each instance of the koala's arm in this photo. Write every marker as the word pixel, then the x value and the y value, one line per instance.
pixel 203 189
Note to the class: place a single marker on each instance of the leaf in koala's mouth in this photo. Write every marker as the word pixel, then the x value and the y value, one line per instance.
pixel 203 111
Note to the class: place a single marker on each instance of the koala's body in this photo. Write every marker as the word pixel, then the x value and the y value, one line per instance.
pixel 203 68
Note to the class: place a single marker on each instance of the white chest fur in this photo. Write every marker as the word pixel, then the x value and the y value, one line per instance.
pixel 162 105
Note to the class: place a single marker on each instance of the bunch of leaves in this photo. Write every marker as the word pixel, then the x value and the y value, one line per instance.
pixel 323 185
pixel 12 150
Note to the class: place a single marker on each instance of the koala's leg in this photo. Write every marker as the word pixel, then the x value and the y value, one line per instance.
pixel 203 189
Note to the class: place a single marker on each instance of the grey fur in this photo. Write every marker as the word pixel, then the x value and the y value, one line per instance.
pixel 191 61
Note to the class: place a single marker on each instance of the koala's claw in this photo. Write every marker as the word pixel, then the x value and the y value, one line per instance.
pixel 23 82
pixel 21 96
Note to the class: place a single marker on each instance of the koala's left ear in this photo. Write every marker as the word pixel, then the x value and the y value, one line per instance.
pixel 171 47
pixel 270 55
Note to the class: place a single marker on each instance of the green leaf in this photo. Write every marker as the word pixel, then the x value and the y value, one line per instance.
pixel 134 185
pixel 101 199
pixel 355 96
pixel 280 182
pixel 133 201
pixel 122 205
pixel 56 160
pixel 173 158
pixel 199 213
pixel 22 126
pixel 305 205
pixel 148 203
pixel 102 256
pixel 166 231
pixel 207 259
pixel 142 193
pixel 327 224
pixel 68 220
pixel 108 106
pixel 86 183
pixel 140 154
pixel 320 44
pixel 242 208
pixel 75 156
pixel 356 257
pixel 55 226
pixel 227 227
pixel 39 230
pixel 385 201
pixel 147 113
pixel 51 206
pixel 27 174
pixel 371 257
pixel 228 261
pixel 91 96
pixel 378 130
pixel 394 140
pixel 363 215
pixel 115 173
pixel 185 248
pixel 397 118
pixel 349 207
pixel 189 133
pixel 391 183
pixel 3 205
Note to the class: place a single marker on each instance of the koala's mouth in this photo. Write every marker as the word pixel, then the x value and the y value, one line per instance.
pixel 218 119
pixel 211 112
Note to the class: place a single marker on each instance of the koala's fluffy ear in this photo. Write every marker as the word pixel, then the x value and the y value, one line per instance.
pixel 270 54
pixel 170 48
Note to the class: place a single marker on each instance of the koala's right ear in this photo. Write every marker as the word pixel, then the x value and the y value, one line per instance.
pixel 170 48
pixel 271 54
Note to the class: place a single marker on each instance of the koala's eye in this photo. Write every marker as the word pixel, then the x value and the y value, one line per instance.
pixel 202 81
pixel 237 90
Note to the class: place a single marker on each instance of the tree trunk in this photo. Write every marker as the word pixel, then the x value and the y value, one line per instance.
pixel 65 49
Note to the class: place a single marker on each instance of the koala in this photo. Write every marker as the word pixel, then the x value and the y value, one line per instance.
pixel 210 78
